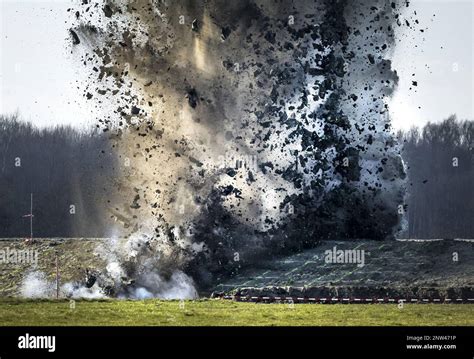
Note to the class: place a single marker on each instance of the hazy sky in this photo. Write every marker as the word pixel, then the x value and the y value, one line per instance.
pixel 38 74
pixel 441 59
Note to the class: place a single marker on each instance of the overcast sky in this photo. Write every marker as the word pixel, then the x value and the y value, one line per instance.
pixel 441 59
pixel 37 72
pixel 38 76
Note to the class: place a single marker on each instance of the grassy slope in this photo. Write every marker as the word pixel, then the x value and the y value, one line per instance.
pixel 74 255
pixel 14 312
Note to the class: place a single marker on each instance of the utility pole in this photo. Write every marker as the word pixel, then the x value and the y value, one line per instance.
pixel 31 217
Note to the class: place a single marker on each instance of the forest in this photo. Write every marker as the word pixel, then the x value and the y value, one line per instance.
pixel 440 193
pixel 66 170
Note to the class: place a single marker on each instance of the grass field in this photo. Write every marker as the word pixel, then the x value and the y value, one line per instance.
pixel 15 312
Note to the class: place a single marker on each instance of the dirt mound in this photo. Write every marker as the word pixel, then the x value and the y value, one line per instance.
pixel 74 256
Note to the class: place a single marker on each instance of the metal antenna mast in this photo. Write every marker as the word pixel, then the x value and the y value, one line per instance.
pixel 31 216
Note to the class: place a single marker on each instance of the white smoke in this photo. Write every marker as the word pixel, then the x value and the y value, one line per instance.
pixel 136 257
pixel 36 284
pixel 71 290
pixel 179 286
pixel 140 257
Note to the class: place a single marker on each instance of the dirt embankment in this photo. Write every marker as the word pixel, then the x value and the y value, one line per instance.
pixel 18 258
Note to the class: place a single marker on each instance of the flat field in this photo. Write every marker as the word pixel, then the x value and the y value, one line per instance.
pixel 218 312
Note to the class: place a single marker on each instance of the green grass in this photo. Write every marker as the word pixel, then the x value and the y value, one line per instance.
pixel 15 312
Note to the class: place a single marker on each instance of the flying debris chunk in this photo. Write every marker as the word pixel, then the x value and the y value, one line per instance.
pixel 192 97
pixel 75 37
pixel 371 58
pixel 231 172
pixel 225 32
pixel 135 110
pixel 195 161
pixel 135 204
pixel 90 278
pixel 107 11
pixel 227 190
pixel 195 25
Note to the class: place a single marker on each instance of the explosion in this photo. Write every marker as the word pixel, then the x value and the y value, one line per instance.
pixel 245 129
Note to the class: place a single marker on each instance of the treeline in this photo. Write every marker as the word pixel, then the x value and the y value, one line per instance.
pixel 440 163
pixel 67 171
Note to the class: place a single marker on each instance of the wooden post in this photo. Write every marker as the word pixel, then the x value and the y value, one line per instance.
pixel 57 277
